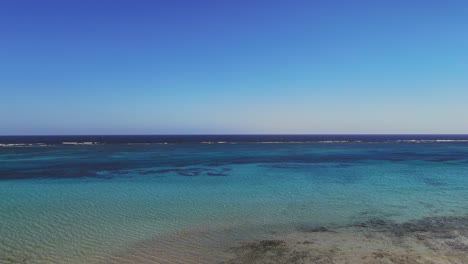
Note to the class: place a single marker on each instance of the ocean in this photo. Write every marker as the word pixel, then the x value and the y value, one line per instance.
pixel 234 199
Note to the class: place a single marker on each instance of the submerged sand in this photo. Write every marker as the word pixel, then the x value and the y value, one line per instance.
pixel 433 240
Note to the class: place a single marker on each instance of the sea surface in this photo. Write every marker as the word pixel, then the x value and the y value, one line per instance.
pixel 234 199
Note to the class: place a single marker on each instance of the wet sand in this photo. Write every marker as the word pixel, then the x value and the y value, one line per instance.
pixel 433 240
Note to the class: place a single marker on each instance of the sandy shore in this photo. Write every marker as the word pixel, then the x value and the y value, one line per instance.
pixel 435 240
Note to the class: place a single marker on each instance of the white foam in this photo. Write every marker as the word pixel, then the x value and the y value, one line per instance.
pixel 19 145
pixel 80 143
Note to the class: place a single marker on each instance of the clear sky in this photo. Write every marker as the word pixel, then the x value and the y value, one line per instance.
pixel 242 66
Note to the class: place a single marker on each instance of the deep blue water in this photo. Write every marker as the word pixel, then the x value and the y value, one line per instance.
pixel 128 139
pixel 87 198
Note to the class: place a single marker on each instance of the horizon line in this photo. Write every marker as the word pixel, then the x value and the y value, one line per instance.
pixel 247 134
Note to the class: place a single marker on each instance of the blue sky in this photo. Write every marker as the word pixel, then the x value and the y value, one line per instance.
pixel 191 67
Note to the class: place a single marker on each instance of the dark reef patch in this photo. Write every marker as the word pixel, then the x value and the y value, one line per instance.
pixel 438 226
pixel 189 172
pixel 433 182
pixel 279 252
pixel 312 229
pixel 429 240
pixel 267 251
pixel 444 233
pixel 47 173
pixel 101 172
pixel 306 166
pixel 216 174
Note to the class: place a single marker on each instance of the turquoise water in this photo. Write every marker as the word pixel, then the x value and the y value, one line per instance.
pixel 89 203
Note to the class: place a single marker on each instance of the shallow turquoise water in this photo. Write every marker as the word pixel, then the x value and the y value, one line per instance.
pixel 82 204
